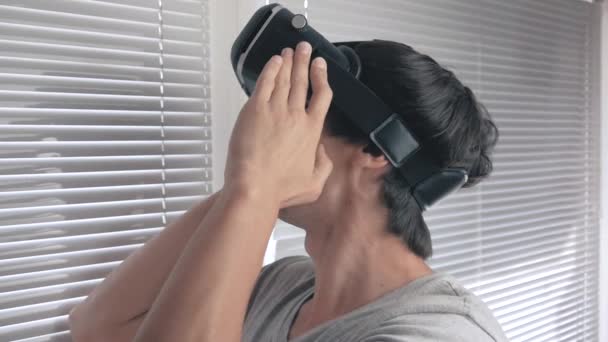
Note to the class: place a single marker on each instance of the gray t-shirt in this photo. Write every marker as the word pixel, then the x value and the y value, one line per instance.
pixel 434 308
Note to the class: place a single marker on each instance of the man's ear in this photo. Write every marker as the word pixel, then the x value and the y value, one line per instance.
pixel 366 158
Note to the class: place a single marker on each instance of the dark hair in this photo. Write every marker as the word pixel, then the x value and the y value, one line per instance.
pixel 442 113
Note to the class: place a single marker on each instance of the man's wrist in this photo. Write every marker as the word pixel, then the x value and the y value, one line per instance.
pixel 251 191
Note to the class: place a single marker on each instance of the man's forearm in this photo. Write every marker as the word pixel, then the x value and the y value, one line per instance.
pixel 206 295
pixel 131 289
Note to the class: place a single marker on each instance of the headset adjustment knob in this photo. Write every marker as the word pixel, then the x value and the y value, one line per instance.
pixel 299 22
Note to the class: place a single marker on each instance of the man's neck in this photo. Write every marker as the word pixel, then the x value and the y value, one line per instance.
pixel 354 265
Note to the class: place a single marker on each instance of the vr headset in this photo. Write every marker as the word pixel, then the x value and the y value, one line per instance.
pixel 273 27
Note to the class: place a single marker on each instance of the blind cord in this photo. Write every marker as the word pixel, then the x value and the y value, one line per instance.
pixel 163 172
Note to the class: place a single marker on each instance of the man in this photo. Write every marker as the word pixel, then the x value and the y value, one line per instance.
pixel 366 279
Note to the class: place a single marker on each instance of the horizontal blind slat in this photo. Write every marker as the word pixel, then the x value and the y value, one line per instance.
pixel 46 293
pixel 37 311
pixel 98 209
pixel 49 18
pixel 51 228
pixel 33 329
pixel 40 262
pixel 55 277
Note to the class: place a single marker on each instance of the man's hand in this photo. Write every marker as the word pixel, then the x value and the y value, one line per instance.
pixel 275 146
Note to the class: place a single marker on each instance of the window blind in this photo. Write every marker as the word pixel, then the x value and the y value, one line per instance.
pixel 105 130
pixel 524 240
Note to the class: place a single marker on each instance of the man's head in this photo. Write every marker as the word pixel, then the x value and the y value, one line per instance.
pixel 443 114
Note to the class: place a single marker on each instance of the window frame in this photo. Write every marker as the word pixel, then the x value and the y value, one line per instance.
pixel 601 82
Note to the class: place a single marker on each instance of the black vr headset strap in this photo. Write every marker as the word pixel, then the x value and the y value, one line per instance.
pixel 380 123
pixel 428 182
pixel 349 91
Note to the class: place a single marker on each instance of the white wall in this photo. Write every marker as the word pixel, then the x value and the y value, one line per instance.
pixel 227 19
pixel 226 96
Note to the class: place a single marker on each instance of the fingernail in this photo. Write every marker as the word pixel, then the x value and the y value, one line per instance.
pixel 304 47
pixel 320 63
pixel 277 59
pixel 287 52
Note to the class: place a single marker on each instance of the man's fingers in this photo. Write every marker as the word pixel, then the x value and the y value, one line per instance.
pixel 283 80
pixel 299 76
pixel 321 92
pixel 266 81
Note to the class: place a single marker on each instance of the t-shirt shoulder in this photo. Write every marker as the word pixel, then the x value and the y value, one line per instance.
pixel 475 311
pixel 438 308
pixel 429 328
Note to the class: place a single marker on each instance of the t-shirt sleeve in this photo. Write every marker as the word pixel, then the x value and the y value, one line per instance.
pixel 258 284
pixel 428 328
